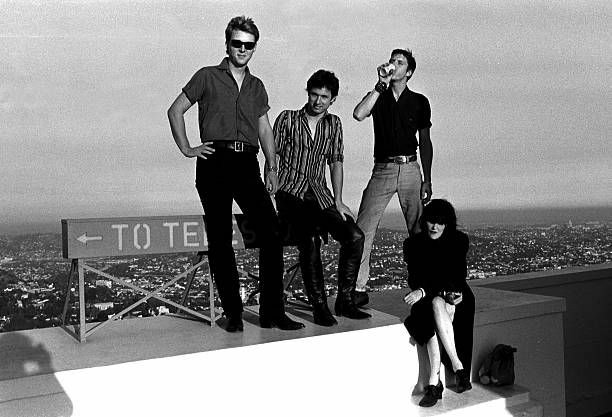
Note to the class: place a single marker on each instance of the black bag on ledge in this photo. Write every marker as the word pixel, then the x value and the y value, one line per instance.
pixel 498 367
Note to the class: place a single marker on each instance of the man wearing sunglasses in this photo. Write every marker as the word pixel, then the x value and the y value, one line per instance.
pixel 398 115
pixel 233 121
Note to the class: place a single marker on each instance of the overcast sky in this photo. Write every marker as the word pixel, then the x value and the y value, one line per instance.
pixel 520 93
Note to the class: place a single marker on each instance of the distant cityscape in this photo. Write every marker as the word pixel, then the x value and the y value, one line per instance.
pixel 33 274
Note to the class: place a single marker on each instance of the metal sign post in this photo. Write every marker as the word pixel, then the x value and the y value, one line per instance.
pixel 84 239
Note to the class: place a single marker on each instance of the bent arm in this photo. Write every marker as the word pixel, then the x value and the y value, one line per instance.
pixel 176 117
pixel 365 106
pixel 410 257
pixel 415 278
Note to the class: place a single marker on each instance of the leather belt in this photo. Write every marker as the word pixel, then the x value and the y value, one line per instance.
pixel 399 159
pixel 236 146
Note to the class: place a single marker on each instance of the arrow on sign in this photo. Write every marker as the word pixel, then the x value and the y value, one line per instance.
pixel 84 238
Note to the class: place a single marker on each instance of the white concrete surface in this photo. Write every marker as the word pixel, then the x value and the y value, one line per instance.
pixel 367 372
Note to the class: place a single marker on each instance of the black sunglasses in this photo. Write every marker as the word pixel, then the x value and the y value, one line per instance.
pixel 235 43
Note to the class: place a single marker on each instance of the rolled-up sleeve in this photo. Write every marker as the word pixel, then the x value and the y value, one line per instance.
pixel 336 153
pixel 280 130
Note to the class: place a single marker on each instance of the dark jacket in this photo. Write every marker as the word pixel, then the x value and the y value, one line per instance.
pixel 434 265
pixel 439 264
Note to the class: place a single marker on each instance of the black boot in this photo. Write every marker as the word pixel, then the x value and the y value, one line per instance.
pixel 432 394
pixel 322 316
pixel 351 248
pixel 360 298
pixel 281 321
pixel 462 378
pixel 312 276
pixel 234 323
pixel 346 307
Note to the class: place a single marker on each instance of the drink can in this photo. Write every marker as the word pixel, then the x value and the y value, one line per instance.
pixel 386 69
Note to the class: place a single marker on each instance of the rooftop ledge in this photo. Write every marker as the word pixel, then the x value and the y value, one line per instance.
pixel 167 365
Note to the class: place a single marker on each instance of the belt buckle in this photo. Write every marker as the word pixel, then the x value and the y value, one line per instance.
pixel 238 146
pixel 401 159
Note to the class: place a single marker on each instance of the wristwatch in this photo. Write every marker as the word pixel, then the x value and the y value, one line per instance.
pixel 381 87
pixel 272 169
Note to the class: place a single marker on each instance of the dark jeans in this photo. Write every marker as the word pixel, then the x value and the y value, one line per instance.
pixel 304 218
pixel 223 177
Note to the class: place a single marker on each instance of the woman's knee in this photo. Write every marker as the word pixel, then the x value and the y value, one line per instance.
pixel 451 314
pixel 438 304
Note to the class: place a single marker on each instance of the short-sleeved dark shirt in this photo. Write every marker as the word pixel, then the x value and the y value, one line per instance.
pixel 224 113
pixel 397 122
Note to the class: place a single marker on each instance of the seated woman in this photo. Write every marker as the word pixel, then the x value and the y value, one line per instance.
pixel 437 272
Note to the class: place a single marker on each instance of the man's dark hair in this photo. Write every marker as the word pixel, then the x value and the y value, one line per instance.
pixel 242 23
pixel 439 211
pixel 324 79
pixel 408 54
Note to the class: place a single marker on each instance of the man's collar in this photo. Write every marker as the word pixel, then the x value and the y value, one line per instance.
pixel 224 66
pixel 405 89
pixel 302 112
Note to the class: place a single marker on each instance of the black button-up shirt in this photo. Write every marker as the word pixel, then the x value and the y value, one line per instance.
pixel 224 113
pixel 397 122
pixel 303 155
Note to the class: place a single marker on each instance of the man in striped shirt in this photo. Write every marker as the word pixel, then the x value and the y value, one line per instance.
pixel 305 140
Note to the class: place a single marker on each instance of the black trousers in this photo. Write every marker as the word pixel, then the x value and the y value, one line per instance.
pixel 223 177
pixel 304 219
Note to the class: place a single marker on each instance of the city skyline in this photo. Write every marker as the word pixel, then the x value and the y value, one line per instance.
pixel 33 272
pixel 520 97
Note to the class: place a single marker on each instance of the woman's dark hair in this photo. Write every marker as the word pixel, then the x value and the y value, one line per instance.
pixel 439 211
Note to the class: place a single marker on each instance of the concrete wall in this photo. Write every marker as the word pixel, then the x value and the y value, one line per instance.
pixel 532 324
pixel 587 327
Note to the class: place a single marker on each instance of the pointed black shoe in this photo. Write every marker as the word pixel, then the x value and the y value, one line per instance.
pixel 348 309
pixel 462 379
pixel 283 322
pixel 360 298
pixel 322 316
pixel 234 323
pixel 432 394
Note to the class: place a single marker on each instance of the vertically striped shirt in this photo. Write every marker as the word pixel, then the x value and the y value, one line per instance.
pixel 303 156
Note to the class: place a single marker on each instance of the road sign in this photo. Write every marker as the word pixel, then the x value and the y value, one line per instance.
pixel 120 236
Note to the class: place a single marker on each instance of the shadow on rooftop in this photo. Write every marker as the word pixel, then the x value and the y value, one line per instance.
pixel 21 358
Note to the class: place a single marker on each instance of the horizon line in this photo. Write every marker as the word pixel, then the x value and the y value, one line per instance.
pixel 469 216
